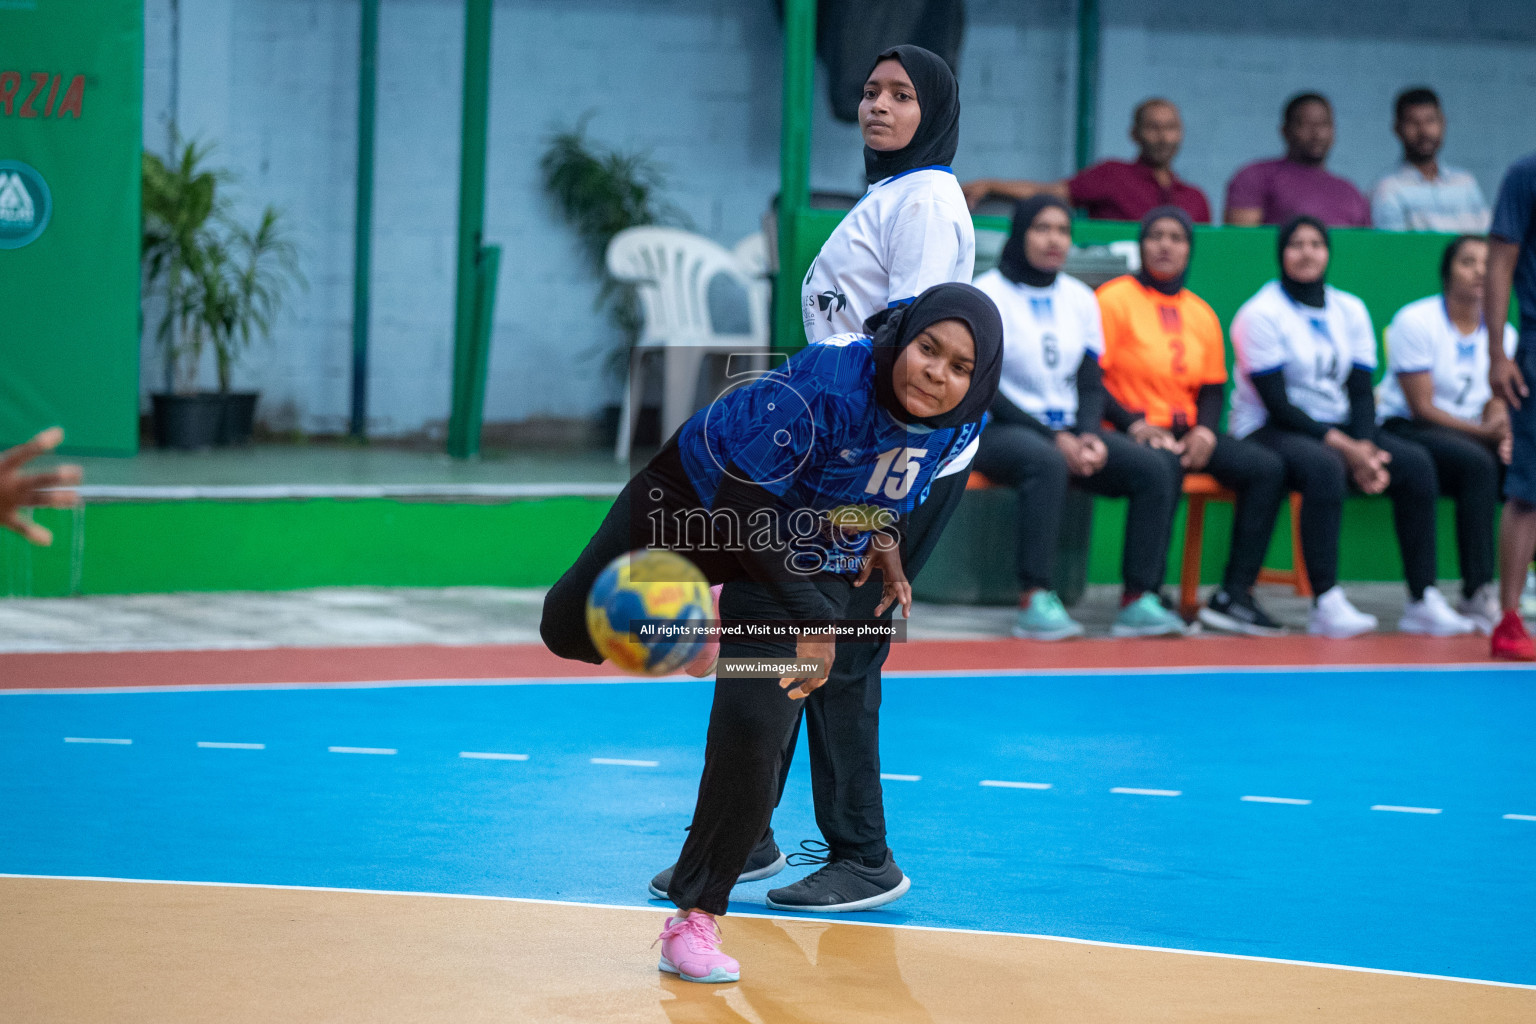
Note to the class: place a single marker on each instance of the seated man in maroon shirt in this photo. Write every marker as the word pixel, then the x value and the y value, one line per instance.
pixel 1115 189
pixel 1297 184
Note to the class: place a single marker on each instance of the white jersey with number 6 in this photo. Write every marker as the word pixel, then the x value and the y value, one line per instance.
pixel 1045 333
pixel 910 232
pixel 1422 339
pixel 1314 348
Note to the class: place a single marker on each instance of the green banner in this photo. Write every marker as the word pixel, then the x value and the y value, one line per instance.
pixel 71 111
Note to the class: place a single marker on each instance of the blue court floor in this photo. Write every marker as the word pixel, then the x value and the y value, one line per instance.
pixel 1382 819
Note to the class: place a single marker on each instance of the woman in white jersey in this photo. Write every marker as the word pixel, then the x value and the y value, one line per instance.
pixel 910 232
pixel 1306 352
pixel 912 229
pixel 1436 394
pixel 1046 431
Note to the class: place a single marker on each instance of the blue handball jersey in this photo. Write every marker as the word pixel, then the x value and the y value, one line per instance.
pixel 812 434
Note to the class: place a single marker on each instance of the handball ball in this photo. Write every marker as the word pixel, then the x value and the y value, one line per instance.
pixel 648 584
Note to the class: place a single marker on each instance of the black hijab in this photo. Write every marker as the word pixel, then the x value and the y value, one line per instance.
pixel 938 132
pixel 893 330
pixel 1308 293
pixel 1173 285
pixel 1013 264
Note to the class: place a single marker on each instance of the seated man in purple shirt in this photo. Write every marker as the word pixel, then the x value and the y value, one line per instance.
pixel 1297 184
pixel 1115 189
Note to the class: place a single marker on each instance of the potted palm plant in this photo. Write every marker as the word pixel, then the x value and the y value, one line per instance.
pixel 600 192
pixel 221 284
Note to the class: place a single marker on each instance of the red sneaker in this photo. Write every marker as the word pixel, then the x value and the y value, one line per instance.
pixel 1510 640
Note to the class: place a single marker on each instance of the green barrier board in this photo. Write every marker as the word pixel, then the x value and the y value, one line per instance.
pixel 1386 269
pixel 71 115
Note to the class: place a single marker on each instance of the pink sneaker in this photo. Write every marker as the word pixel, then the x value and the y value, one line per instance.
pixel 703 664
pixel 690 949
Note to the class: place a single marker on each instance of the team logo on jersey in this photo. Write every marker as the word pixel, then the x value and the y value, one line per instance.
pixel 1040 306
pixel 1172 322
pixel 832 300
pixel 25 204
pixel 1466 351
pixel 1320 327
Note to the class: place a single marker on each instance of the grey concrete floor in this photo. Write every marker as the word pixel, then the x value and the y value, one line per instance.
pixel 361 616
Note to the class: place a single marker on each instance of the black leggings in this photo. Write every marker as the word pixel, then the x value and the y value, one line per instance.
pixel 1323 479
pixel 842 718
pixel 753 724
pixel 1030 462
pixel 655 494
pixel 1469 472
pixel 750 725
pixel 1257 476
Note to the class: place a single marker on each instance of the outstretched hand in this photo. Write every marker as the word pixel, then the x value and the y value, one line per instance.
pixel 1507 382
pixel 885 555
pixel 20 490
pixel 811 646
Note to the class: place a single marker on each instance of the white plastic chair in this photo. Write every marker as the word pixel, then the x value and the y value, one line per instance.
pixel 671 270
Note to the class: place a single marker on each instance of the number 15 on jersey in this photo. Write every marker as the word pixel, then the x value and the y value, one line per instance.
pixel 897 480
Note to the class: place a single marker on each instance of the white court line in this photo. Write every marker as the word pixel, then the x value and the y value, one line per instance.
pixel 1130 791
pixel 1000 784
pixel 1275 800
pixel 653 909
pixel 901 778
pixel 92 739
pixel 1520 817
pixel 1405 810
pixel 625 762
pixel 212 745
pixel 389 684
pixel 485 756
pixel 363 750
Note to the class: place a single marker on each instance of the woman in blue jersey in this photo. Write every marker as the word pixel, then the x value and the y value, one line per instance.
pixel 860 420
pixel 910 231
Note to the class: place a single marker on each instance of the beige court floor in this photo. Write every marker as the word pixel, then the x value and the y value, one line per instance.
pixel 88 951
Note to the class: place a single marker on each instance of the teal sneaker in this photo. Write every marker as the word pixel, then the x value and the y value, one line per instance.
pixel 1045 619
pixel 1146 616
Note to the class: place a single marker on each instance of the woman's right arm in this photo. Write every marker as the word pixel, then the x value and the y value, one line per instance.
pixel 1419 393
pixel 764 545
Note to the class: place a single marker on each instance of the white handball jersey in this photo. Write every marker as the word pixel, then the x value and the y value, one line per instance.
pixel 1045 333
pixel 910 232
pixel 1314 348
pixel 1422 339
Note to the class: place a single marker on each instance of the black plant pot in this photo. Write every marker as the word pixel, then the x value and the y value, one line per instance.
pixel 239 418
pixel 188 422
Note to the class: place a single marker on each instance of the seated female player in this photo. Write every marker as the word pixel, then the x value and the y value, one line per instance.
pixel 1436 394
pixel 1306 351
pixel 1164 366
pixel 1046 432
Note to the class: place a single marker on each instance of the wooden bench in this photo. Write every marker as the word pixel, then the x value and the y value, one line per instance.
pixel 1200 489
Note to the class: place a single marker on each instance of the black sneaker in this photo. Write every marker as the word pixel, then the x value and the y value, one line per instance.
pixel 765 862
pixel 843 886
pixel 1240 614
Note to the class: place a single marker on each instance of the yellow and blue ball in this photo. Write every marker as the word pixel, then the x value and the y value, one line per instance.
pixel 648 584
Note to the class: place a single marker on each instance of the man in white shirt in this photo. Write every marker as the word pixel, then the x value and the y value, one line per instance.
pixel 1423 194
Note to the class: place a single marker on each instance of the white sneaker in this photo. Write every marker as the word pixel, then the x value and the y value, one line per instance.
pixel 1482 608
pixel 1333 616
pixel 1432 615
